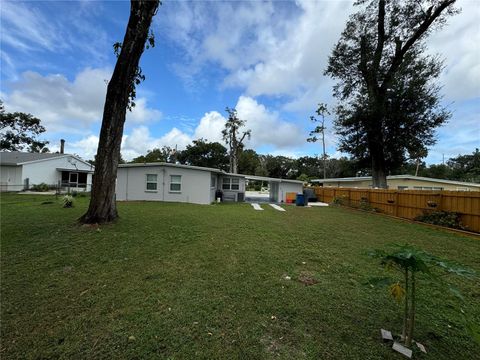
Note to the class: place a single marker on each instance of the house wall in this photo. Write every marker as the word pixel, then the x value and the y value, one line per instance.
pixel 214 186
pixel 131 184
pixel 288 187
pixel 410 183
pixel 11 178
pixel 395 183
pixel 353 184
pixel 45 171
pixel 231 194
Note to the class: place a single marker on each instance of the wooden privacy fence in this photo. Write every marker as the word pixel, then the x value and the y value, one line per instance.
pixel 409 204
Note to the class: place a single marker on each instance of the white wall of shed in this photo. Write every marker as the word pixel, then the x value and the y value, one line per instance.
pixel 131 184
pixel 45 171
pixel 11 178
pixel 286 187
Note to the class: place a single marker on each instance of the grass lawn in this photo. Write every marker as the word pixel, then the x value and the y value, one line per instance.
pixel 182 281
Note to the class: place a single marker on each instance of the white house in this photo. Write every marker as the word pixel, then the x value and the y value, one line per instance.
pixel 20 171
pixel 191 184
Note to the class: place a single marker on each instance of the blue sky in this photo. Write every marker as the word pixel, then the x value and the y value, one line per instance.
pixel 264 58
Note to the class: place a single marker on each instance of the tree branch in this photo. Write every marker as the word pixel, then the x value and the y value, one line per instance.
pixel 422 29
pixel 380 36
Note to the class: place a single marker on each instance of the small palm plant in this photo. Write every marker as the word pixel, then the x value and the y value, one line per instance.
pixel 410 261
pixel 67 201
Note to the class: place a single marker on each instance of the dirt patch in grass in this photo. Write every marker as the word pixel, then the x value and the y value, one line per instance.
pixel 307 278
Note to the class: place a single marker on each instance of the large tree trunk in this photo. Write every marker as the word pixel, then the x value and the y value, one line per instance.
pixel 377 155
pixel 102 206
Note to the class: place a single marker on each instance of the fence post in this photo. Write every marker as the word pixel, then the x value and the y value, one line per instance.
pixel 396 203
pixel 440 202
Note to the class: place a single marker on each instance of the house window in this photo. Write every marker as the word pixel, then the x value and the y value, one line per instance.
pixel 426 188
pixel 213 181
pixel 73 178
pixel 175 183
pixel 235 184
pixel 231 184
pixel 402 187
pixel 151 182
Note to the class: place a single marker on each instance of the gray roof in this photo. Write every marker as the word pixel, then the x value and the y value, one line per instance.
pixel 170 165
pixel 264 178
pixel 17 157
pixel 218 171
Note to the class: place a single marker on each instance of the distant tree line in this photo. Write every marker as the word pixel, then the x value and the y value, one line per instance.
pixel 214 155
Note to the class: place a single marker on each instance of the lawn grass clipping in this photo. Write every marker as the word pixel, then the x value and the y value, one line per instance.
pixel 185 281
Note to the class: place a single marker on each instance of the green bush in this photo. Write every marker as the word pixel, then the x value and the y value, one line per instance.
pixel 42 187
pixel 442 218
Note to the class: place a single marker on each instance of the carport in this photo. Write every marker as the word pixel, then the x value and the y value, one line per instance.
pixel 277 189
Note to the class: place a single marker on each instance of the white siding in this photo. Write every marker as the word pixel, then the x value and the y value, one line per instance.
pixel 45 171
pixel 288 187
pixel 11 178
pixel 231 194
pixel 195 188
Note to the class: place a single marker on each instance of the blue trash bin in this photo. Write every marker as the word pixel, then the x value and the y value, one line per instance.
pixel 300 199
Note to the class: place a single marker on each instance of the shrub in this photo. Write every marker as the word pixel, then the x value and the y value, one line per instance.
pixel 442 218
pixel 74 193
pixel 42 187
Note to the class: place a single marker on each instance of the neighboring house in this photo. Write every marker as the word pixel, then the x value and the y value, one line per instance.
pixel 190 184
pixel 20 171
pixel 401 182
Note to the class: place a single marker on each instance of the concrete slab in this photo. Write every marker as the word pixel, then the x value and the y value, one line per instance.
pixel 276 207
pixel 402 349
pixel 256 206
pixel 386 335
pixel 317 204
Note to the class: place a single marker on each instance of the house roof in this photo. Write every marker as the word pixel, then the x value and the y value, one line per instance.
pixel 264 178
pixel 218 171
pixel 396 177
pixel 18 158
pixel 170 165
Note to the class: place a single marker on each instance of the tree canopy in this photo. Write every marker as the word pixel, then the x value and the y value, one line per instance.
pixel 206 154
pixel 165 154
pixel 19 132
pixel 389 103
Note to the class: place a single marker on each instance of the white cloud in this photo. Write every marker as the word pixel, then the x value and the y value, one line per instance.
pixel 27 28
pixel 282 48
pixel 268 129
pixel 210 127
pixel 286 56
pixel 86 147
pixel 267 126
pixel 69 106
pixel 139 141
pixel 459 44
